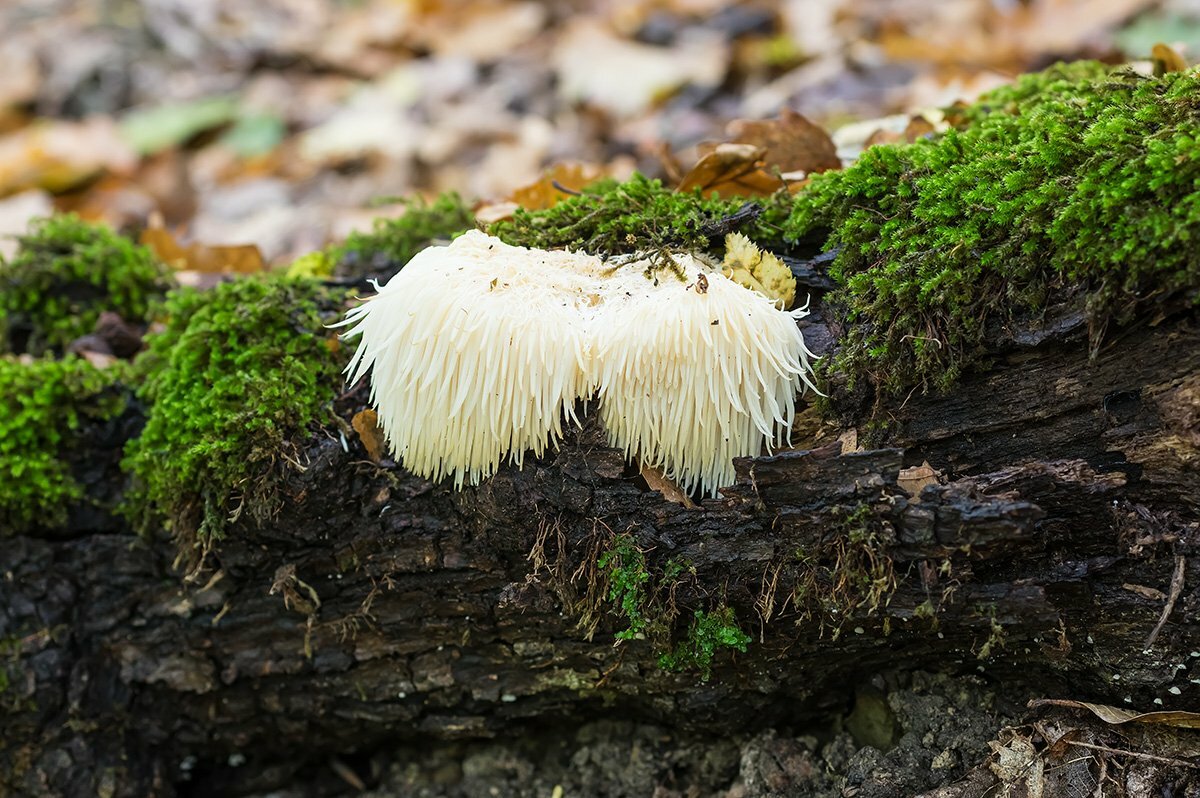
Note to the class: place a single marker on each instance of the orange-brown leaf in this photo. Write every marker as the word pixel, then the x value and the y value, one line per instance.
pixel 366 424
pixel 548 190
pixel 658 481
pixel 1167 59
pixel 197 257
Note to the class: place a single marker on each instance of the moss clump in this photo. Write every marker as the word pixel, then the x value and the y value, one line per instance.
pixel 64 274
pixel 237 375
pixel 1061 186
pixel 709 632
pixel 641 215
pixel 625 566
pixel 43 404
pixel 392 242
pixel 646 601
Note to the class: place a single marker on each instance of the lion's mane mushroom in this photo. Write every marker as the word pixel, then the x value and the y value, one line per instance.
pixel 693 374
pixel 479 350
pixel 476 350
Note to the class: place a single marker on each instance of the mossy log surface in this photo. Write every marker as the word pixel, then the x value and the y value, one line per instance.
pixel 379 609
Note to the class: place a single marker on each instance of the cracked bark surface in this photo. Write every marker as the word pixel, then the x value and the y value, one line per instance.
pixel 382 610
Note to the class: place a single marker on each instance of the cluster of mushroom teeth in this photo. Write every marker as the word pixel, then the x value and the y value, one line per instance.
pixel 479 351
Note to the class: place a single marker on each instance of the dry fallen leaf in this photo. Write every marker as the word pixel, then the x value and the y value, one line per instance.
pixel 623 77
pixel 1116 716
pixel 732 170
pixel 1016 761
pixel 790 143
pixel 671 492
pixel 1166 59
pixel 16 212
pixel 60 155
pixel 197 257
pixel 913 480
pixel 556 184
pixel 366 424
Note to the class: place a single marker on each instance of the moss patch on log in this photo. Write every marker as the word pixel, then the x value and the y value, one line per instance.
pixel 1073 183
pixel 43 404
pixel 232 384
pixel 642 215
pixel 64 274
pixel 392 242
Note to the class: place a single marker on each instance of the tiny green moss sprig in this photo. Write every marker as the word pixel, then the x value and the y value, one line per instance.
pixel 392 242
pixel 1074 182
pixel 64 274
pixel 236 377
pixel 43 405
pixel 625 566
pixel 709 633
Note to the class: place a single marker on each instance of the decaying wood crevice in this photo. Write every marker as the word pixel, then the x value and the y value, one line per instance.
pixel 1037 549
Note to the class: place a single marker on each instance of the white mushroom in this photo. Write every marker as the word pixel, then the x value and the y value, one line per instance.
pixel 693 374
pixel 476 350
pixel 479 350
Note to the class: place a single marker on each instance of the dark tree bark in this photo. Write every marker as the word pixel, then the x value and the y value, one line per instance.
pixel 1052 553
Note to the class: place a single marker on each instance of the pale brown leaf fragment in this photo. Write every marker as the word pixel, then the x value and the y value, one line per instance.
pixel 1145 592
pixel 731 170
pixel 913 480
pixel 658 481
pixel 366 424
pixel 556 184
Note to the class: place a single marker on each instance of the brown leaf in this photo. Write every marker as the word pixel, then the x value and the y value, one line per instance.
pixel 1116 716
pixel 556 184
pixel 495 211
pixel 918 127
pixel 790 143
pixel 732 170
pixel 913 480
pixel 1166 59
pixel 197 257
pixel 658 481
pixel 366 424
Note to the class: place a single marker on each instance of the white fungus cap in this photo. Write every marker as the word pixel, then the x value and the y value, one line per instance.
pixel 478 350
pixel 693 374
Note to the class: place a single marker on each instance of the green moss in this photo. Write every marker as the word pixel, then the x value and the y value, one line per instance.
pixel 1071 184
pixel 43 404
pixel 625 566
pixel 645 599
pixel 236 377
pixel 639 215
pixel 709 632
pixel 1029 90
pixel 392 242
pixel 64 274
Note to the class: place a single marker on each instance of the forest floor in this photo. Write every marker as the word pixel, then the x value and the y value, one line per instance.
pixel 245 135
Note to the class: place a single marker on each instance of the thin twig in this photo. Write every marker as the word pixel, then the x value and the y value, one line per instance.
pixel 1172 597
pixel 1183 763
